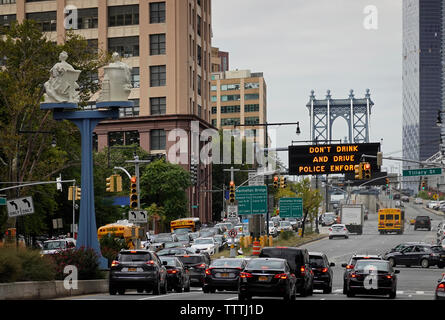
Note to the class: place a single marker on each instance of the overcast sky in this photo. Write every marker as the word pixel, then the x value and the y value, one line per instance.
pixel 302 45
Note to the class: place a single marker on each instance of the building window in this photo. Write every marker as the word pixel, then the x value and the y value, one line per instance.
pixel 123 138
pixel 125 46
pixel 157 12
pixel 157 44
pixel 230 109
pixel 251 85
pixel 214 122
pixel 46 20
pixel 231 97
pixel 157 76
pixel 199 111
pixel 86 18
pixel 130 112
pixel 131 137
pixel 214 110
pixel 251 96
pixel 230 121
pixel 158 106
pixel 213 88
pixel 227 87
pixel 135 77
pixel 199 84
pixel 198 55
pixel 157 140
pixel 6 21
pixel 93 45
pixel 251 108
pixel 198 27
pixel 214 99
pixel 123 15
pixel 7 1
pixel 251 120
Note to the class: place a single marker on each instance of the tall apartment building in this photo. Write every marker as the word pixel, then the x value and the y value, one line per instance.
pixel 168 45
pixel 219 60
pixel 239 97
pixel 423 74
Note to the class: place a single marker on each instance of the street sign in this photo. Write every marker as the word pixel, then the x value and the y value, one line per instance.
pixel 436 196
pixel 330 158
pixel 422 172
pixel 232 211
pixel 20 207
pixel 57 223
pixel 2 201
pixel 232 233
pixel 255 180
pixel 251 200
pixel 137 216
pixel 291 207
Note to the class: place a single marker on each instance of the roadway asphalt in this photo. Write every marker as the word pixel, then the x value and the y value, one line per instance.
pixel 414 283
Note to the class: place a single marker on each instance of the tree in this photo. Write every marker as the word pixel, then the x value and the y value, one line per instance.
pixel 27 58
pixel 165 184
pixel 312 200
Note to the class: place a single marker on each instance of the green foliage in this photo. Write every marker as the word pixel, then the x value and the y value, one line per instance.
pixel 20 264
pixel 165 184
pixel 85 260
pixel 286 235
pixel 110 245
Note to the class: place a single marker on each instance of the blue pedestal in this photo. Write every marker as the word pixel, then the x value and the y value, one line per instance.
pixel 86 121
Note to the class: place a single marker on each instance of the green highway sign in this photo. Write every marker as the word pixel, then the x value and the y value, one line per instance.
pixel 422 172
pixel 251 200
pixel 2 201
pixel 291 207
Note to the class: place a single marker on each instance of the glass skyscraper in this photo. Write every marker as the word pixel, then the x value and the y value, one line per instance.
pixel 423 21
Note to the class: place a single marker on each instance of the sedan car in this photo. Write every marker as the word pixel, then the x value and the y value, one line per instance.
pixel 422 222
pixel 185 239
pixel 440 289
pixel 178 277
pixel 372 277
pixel 338 230
pixel 424 255
pixel 323 273
pixel 55 246
pixel 223 274
pixel 285 226
pixel 349 267
pixel 208 245
pixel 137 269
pixel 267 277
pixel 418 201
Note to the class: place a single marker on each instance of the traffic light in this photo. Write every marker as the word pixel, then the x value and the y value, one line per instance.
pixel 275 182
pixel 70 193
pixel 283 182
pixel 133 193
pixel 358 168
pixel 367 170
pixel 110 184
pixel 232 192
pixel 423 185
pixel 379 158
pixel 78 193
pixel 387 182
pixel 118 186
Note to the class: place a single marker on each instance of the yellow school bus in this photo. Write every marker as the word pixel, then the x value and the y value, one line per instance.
pixel 130 233
pixel 391 220
pixel 185 225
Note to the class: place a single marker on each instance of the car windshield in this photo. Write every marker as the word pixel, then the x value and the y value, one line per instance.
pixel 203 241
pixel 316 261
pixel 191 259
pixel 182 231
pixel 53 245
pixel 134 257
pixel 265 264
pixel 163 238
pixel 364 265
pixel 227 263
pixel 338 226
pixel 284 223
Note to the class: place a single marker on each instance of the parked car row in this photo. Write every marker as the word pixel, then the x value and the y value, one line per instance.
pixel 416 254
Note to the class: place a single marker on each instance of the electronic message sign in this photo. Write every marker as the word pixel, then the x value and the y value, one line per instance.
pixel 330 158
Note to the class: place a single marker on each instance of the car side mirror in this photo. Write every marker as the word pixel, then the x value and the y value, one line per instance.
pixel 332 264
pixel 344 265
pixel 396 271
pixel 164 263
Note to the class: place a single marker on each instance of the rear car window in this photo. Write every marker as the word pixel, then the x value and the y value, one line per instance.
pixel 316 261
pixel 265 264
pixel 363 265
pixel 191 259
pixel 170 261
pixel 229 263
pixel 134 257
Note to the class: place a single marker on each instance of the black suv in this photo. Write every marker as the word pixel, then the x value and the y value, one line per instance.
pixel 299 263
pixel 137 269
pixel 349 267
pixel 323 273
pixel 422 222
pixel 197 265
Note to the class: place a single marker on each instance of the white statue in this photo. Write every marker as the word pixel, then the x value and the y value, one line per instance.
pixel 61 86
pixel 116 85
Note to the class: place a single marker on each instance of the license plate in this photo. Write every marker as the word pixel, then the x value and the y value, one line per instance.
pixel 224 275
pixel 263 278
pixel 132 269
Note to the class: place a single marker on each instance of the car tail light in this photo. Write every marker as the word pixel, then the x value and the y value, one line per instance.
pixel 349 267
pixel 303 270
pixel 150 262
pixel 324 270
pixel 114 263
pixel 441 287
pixel 208 272
pixel 353 275
pixel 330 229
pixel 245 275
pixel 172 271
pixel 389 276
pixel 281 276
